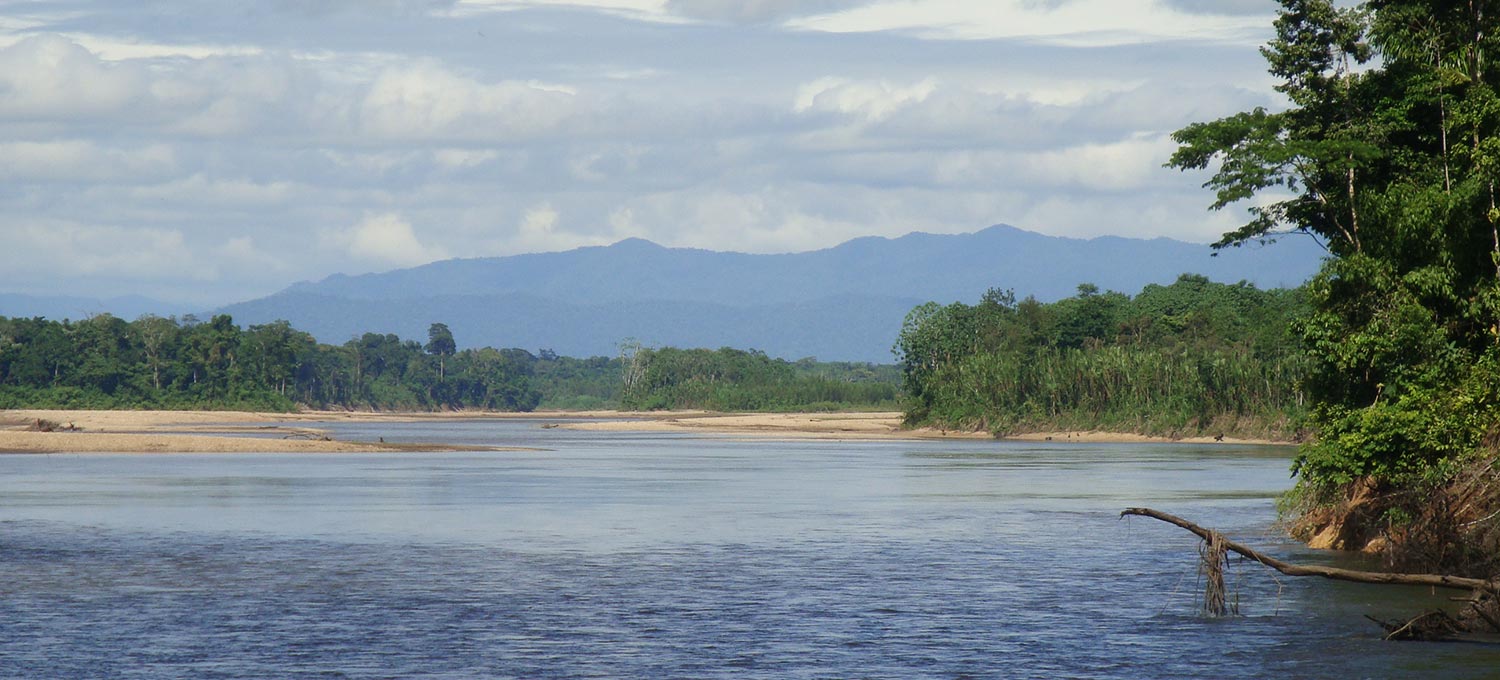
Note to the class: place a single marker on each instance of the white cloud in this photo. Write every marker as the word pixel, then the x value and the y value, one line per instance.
pixel 387 238
pixel 463 158
pixel 648 10
pixel 193 150
pixel 240 254
pixel 427 101
pixel 539 223
pixel 753 11
pixel 77 160
pixel 199 189
pixel 58 248
pixel 871 101
pixel 540 229
pixel 1070 22
pixel 51 78
pixel 1117 166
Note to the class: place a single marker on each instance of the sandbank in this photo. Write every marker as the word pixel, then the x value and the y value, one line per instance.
pixel 187 432
pixel 241 431
pixel 879 425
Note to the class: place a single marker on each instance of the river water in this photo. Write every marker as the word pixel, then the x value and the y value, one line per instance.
pixel 609 555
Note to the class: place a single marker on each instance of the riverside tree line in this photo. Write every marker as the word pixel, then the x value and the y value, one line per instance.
pixel 162 363
pixel 1192 357
pixel 166 363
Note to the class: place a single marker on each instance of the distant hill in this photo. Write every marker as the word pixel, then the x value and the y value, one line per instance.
pixel 840 303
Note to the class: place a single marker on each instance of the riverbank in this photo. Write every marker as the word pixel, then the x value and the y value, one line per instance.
pixel 54 431
pixel 240 431
pixel 881 425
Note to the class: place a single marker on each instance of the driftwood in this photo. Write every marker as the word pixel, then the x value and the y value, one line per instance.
pixel 1491 586
pixel 1434 625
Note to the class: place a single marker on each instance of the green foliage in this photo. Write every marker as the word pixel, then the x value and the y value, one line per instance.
pixel 1188 357
pixel 106 363
pixel 1390 153
pixel 157 363
pixel 573 384
pixel 737 380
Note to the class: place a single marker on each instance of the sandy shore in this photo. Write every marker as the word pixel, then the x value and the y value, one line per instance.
pixel 190 432
pixel 885 425
pixel 796 425
pixel 226 431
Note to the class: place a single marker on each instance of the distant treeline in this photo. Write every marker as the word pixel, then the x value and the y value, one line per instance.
pixel 735 380
pixel 155 362
pixel 165 363
pixel 1192 357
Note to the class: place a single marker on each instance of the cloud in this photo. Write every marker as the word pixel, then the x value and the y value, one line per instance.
pixel 81 160
pixel 1070 22
pixel 871 101
pixel 651 10
pixel 754 11
pixel 463 158
pixel 394 7
pixel 59 248
pixel 54 79
pixel 201 190
pixel 426 101
pixel 1260 8
pixel 541 229
pixel 177 147
pixel 1118 166
pixel 240 254
pixel 387 238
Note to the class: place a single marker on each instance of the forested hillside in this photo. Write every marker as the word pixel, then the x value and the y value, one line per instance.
pixel 1195 357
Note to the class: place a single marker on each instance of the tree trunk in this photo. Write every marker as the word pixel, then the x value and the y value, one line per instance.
pixel 1433 580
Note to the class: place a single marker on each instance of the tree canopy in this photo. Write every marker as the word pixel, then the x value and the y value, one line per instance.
pixel 1193 357
pixel 154 362
pixel 1388 154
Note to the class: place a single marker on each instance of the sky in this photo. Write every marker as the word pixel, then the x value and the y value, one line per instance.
pixel 211 151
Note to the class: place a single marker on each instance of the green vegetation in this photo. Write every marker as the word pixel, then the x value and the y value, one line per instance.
pixel 735 380
pixel 1389 153
pixel 578 384
pixel 156 363
pixel 1190 358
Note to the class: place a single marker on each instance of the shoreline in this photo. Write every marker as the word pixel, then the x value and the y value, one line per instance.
pixel 875 425
pixel 193 432
pixel 216 431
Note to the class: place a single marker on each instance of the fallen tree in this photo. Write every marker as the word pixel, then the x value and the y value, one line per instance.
pixel 1481 598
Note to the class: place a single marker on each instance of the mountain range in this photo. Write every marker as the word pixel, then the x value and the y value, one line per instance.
pixel 844 303
pixel 841 303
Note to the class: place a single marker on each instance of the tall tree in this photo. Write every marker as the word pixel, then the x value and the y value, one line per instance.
pixel 1390 154
pixel 440 344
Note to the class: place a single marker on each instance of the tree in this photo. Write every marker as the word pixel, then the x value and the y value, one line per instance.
pixel 1393 163
pixel 440 344
pixel 1317 150
pixel 155 335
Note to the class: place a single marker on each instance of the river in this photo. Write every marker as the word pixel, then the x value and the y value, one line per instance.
pixel 608 555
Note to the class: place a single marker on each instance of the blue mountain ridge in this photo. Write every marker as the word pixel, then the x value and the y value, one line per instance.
pixel 841 303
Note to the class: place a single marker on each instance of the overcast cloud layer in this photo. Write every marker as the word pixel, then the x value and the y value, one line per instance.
pixel 211 152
